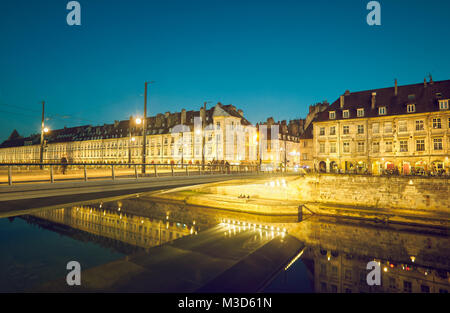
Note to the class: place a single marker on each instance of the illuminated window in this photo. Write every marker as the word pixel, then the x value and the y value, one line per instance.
pixel 407 286
pixel 322 131
pixel 403 146
pixel 420 145
pixel 402 126
pixel 322 148
pixel 382 111
pixel 388 127
pixel 332 115
pixel 437 123
pixel 332 147
pixel 333 130
pixel 410 108
pixel 376 147
pixel 360 129
pixel 345 130
pixel 346 146
pixel 361 146
pixel 437 143
pixel 375 128
pixel 443 104
pixel 360 112
pixel 420 125
pixel 388 146
pixel 346 114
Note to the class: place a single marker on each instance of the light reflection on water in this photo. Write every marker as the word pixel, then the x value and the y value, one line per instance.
pixel 35 248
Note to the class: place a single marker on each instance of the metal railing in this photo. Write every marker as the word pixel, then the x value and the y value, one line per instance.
pixel 55 172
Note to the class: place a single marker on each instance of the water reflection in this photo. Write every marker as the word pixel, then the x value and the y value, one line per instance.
pixel 412 259
pixel 334 259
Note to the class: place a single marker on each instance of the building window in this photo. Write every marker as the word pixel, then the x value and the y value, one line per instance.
pixel 382 111
pixel 333 147
pixel 322 131
pixel 420 125
pixel 333 288
pixel 361 146
pixel 403 146
pixel 410 108
pixel 407 286
pixel 425 289
pixel 375 128
pixel 360 112
pixel 345 130
pixel 305 156
pixel 321 148
pixel 437 143
pixel 392 283
pixel 332 115
pixel 388 127
pixel 332 130
pixel 376 147
pixel 346 114
pixel 388 146
pixel 360 129
pixel 437 123
pixel 323 287
pixel 218 126
pixel 420 145
pixel 443 104
pixel 402 126
pixel 346 147
pixel 305 143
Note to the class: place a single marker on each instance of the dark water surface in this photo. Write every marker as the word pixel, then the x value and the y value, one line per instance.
pixel 34 249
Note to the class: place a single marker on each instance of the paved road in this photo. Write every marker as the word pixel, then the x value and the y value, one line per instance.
pixel 25 199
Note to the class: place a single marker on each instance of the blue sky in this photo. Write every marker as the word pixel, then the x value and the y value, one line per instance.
pixel 269 58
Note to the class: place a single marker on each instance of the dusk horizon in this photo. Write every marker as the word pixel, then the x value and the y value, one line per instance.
pixel 270 60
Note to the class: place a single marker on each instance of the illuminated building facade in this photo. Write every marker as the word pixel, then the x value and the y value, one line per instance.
pixel 221 133
pixel 404 129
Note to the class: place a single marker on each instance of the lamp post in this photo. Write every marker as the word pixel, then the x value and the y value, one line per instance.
pixel 144 128
pixel 41 158
pixel 138 121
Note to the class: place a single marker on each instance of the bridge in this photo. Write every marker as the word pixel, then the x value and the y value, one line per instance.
pixel 27 191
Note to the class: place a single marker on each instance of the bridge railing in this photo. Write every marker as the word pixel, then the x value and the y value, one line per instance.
pixel 14 173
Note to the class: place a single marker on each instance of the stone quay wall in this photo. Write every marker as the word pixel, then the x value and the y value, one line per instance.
pixel 387 192
pixel 377 191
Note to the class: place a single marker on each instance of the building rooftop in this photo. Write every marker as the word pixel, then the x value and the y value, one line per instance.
pixel 158 124
pixel 425 96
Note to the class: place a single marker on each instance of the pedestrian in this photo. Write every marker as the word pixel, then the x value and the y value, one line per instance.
pixel 63 165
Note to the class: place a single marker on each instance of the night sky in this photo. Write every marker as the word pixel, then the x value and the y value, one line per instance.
pixel 269 58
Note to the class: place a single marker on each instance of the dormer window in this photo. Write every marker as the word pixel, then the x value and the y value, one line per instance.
pixel 382 111
pixel 332 115
pixel 360 112
pixel 346 114
pixel 443 104
pixel 411 108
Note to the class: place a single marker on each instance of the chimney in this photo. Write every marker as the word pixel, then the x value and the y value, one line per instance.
pixel 425 82
pixel 431 80
pixel 374 94
pixel 342 101
pixel 183 117
pixel 203 115
pixel 396 88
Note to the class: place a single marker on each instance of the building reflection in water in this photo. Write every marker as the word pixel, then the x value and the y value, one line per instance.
pixel 411 259
pixel 336 254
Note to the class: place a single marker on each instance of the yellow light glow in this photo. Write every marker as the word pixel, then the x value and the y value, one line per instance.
pixel 138 121
pixel 46 130
pixel 294 259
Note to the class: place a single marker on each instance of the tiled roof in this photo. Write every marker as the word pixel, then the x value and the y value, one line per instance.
pixel 424 97
pixel 159 124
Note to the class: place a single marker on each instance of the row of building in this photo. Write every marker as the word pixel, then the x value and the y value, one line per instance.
pixel 404 129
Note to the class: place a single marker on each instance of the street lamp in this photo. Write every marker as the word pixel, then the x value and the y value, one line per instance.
pixel 144 128
pixel 137 121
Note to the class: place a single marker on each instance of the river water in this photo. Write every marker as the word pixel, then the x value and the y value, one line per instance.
pixel 36 248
